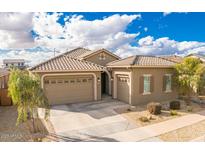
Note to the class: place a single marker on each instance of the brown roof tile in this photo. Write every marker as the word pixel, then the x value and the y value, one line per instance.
pixel 78 53
pixel 142 61
pixel 66 63
pixel 174 58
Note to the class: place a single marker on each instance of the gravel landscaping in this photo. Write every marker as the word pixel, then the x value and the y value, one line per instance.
pixel 9 132
pixel 185 134
pixel 135 114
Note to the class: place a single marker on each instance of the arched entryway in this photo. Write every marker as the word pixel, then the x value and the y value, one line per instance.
pixel 105 83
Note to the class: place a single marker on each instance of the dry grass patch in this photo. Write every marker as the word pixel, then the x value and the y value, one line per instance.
pixel 185 134
pixel 136 114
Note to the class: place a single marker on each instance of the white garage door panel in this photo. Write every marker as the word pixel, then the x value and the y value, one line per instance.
pixel 69 89
pixel 123 88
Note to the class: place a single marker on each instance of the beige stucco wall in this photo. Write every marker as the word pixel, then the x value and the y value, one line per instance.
pixel 95 59
pixel 98 75
pixel 158 94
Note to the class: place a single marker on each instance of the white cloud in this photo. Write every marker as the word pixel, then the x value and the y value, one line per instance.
pixel 15 30
pixel 145 29
pixel 162 46
pixel 77 31
pixel 109 32
pixel 166 13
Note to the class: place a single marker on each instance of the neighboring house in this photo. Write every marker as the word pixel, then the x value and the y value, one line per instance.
pixel 19 63
pixel 202 58
pixel 141 79
pixel 76 76
pixel 174 58
pixel 4 76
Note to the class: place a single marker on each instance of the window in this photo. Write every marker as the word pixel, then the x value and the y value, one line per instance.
pixel 72 81
pixel 53 81
pixel 84 80
pixel 78 81
pixel 147 83
pixel 60 81
pixel 46 81
pixel 168 82
pixel 89 79
pixel 66 81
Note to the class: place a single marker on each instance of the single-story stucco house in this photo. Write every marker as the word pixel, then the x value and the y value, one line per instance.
pixel 82 75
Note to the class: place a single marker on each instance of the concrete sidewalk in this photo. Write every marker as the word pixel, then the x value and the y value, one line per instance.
pixel 143 133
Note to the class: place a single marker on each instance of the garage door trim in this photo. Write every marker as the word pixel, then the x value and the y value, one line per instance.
pixel 115 83
pixel 70 74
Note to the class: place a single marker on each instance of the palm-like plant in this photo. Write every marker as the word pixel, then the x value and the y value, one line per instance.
pixel 190 76
pixel 26 93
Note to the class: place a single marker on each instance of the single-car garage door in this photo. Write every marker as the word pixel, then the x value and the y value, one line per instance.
pixel 123 88
pixel 69 89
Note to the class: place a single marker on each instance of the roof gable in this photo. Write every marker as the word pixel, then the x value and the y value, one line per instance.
pixel 201 57
pixel 99 51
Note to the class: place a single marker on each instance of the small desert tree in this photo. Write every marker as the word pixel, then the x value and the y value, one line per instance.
pixel 27 94
pixel 189 76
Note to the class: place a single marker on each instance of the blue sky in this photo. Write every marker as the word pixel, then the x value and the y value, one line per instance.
pixel 177 26
pixel 34 36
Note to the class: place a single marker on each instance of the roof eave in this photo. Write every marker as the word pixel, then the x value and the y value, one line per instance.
pixel 50 71
pixel 140 66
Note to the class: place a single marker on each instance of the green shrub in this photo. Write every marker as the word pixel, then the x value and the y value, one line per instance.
pixel 144 119
pixel 154 108
pixel 189 108
pixel 173 113
pixel 174 105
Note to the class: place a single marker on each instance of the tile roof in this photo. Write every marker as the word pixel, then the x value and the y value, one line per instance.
pixel 142 61
pixel 78 53
pixel 98 51
pixel 66 63
pixel 82 53
pixel 174 58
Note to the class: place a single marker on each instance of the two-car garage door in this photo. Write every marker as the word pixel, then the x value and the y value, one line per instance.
pixel 69 89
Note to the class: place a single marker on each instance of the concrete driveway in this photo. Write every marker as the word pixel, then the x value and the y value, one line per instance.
pixel 89 121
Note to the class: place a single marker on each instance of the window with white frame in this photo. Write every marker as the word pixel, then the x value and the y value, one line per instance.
pixel 168 83
pixel 147 84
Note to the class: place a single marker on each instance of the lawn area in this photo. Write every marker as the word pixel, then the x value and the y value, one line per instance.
pixel 9 132
pixel 141 111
